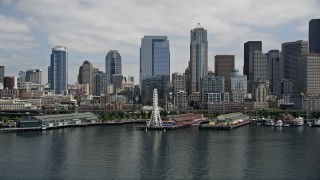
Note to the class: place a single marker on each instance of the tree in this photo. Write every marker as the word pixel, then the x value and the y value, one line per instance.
pixel 5 119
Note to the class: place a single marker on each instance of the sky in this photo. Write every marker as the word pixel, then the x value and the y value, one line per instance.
pixel 29 29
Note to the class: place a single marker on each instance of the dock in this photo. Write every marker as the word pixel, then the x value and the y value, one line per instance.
pixel 14 130
pixel 85 124
pixel 223 127
pixel 162 128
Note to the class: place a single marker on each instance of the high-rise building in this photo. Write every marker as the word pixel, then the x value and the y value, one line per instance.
pixel 58 70
pixel 286 91
pixel 117 82
pixel 314 36
pixel 99 83
pixel 21 76
pixel 211 84
pixel 238 85
pixel 85 74
pixel 274 71
pixel 259 67
pixel 178 84
pixel 198 65
pixel 187 81
pixel 161 83
pixel 309 67
pixel 181 100
pixel 34 76
pixel 249 48
pixel 10 82
pixel 113 65
pixel 291 53
pixel 2 75
pixel 223 64
pixel 154 57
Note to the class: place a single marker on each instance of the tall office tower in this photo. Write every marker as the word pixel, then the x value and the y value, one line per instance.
pixel 291 52
pixel 99 83
pixel 258 72
pixel 113 65
pixel 117 82
pixel 249 48
pixel 274 71
pixel 187 80
pixel 154 56
pixel 178 84
pixel 85 74
pixel 198 64
pixel 34 76
pixel 58 70
pixel 238 86
pixel 159 82
pixel 286 90
pixel 223 64
pixel 309 67
pixel 259 67
pixel 181 100
pixel 10 82
pixel 2 75
pixel 21 76
pixel 314 36
pixel 211 84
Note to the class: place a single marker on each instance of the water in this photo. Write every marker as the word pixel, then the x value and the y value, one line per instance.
pixel 121 152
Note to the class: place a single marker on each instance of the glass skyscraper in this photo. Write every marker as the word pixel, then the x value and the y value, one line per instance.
pixel 113 65
pixel 154 57
pixel 198 64
pixel 314 36
pixel 58 70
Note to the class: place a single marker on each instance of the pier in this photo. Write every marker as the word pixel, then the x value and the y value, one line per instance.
pixel 37 129
pixel 162 128
pixel 223 127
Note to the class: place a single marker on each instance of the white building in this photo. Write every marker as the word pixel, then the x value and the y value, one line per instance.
pixel 238 84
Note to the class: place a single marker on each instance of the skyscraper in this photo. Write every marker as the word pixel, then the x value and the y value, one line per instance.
pixel 274 71
pixel 154 56
pixel 249 48
pixel 85 74
pixel 99 83
pixel 178 84
pixel 117 82
pixel 2 75
pixel 198 64
pixel 34 76
pixel 238 85
pixel 113 65
pixel 309 66
pixel 314 36
pixel 10 82
pixel 21 76
pixel 291 52
pixel 58 70
pixel 211 84
pixel 223 64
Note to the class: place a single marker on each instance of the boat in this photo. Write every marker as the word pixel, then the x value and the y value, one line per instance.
pixel 286 125
pixel 269 122
pixel 316 123
pixel 298 121
pixel 279 123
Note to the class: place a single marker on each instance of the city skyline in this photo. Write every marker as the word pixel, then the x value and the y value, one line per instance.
pixel 29 34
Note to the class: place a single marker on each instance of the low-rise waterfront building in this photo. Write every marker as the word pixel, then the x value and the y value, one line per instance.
pixel 55 120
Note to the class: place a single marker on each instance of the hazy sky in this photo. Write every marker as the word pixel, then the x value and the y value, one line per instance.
pixel 90 28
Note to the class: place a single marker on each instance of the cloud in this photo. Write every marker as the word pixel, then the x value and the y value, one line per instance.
pixel 94 27
pixel 14 34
